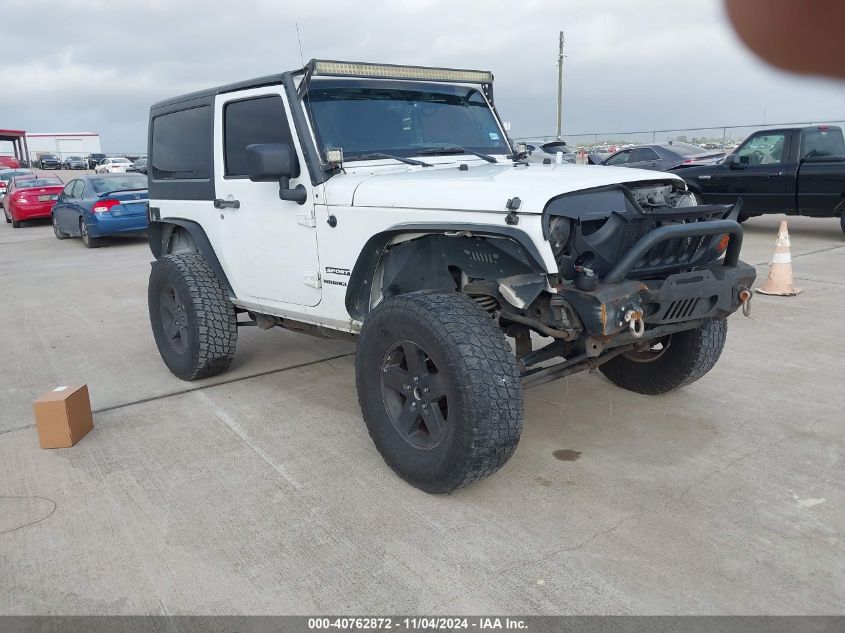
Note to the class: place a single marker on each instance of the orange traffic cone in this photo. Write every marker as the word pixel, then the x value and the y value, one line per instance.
pixel 780 268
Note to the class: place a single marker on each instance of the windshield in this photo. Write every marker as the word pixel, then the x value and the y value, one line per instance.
pixel 401 118
pixel 74 158
pixel 119 161
pixel 29 183
pixel 129 181
pixel 8 175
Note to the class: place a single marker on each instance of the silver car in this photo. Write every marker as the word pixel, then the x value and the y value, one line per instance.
pixel 540 151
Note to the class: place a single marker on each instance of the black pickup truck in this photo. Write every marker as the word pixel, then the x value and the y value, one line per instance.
pixel 797 171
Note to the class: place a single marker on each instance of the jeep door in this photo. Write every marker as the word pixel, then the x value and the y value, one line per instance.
pixel 269 245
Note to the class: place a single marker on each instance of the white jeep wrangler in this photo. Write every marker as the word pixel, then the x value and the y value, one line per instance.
pixel 388 204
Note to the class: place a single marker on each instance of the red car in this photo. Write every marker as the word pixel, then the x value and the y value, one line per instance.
pixel 10 162
pixel 28 198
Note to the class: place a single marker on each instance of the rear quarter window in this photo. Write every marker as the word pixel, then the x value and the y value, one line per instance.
pixel 181 145
pixel 822 143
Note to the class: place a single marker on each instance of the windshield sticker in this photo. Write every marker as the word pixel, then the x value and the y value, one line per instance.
pixel 494 136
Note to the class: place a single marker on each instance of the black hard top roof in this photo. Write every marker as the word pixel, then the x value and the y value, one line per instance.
pixel 258 82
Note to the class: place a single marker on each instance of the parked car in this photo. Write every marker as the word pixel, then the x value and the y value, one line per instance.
pixel 74 162
pixel 386 203
pixel 9 161
pixel 115 165
pixel 93 206
pixel 540 151
pixel 662 156
pixel 139 166
pixel 30 198
pixel 95 159
pixel 796 171
pixel 6 176
pixel 49 161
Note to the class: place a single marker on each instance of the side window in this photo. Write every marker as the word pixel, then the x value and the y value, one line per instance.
pixel 766 149
pixel 78 186
pixel 619 158
pixel 644 154
pixel 258 120
pixel 67 192
pixel 181 145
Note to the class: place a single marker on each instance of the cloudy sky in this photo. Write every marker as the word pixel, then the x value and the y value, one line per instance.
pixel 96 65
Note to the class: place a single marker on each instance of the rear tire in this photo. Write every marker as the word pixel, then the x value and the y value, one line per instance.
pixel 685 357
pixel 16 224
pixel 193 321
pixel 439 389
pixel 842 222
pixel 6 215
pixel 60 235
pixel 87 239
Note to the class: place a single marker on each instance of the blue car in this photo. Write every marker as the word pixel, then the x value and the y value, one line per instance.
pixel 96 205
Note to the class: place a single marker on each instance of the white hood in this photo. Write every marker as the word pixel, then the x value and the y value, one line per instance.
pixel 485 187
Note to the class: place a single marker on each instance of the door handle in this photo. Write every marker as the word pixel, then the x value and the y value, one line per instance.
pixel 219 203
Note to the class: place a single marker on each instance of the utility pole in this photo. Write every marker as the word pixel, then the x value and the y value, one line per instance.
pixel 560 86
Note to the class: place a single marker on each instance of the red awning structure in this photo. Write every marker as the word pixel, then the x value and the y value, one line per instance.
pixel 18 140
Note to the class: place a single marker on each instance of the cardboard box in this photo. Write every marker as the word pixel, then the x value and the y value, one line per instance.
pixel 63 416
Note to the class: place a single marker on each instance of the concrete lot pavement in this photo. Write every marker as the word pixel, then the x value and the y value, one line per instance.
pixel 259 491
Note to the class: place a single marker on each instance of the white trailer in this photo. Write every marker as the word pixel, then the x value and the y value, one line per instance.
pixel 63 144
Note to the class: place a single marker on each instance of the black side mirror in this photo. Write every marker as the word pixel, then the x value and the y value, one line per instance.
pixel 732 161
pixel 276 161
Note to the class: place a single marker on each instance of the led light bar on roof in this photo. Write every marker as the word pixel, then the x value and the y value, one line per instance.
pixel 388 71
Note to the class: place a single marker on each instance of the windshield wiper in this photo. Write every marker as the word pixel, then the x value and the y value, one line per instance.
pixel 455 149
pixel 401 159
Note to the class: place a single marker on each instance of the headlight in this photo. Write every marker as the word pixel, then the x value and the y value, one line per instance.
pixel 559 229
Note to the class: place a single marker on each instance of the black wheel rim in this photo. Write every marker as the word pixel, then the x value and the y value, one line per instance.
pixel 174 320
pixel 414 394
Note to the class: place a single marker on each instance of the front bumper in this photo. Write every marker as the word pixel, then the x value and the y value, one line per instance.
pixel 709 292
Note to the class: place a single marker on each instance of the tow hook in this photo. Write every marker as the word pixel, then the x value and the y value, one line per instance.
pixel 634 319
pixel 745 297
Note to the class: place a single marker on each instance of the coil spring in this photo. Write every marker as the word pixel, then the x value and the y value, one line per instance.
pixel 487 302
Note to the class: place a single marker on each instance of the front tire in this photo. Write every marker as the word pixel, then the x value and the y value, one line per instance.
pixel 439 389
pixel 193 321
pixel 673 361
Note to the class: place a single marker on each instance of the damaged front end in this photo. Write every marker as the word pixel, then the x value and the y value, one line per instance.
pixel 635 263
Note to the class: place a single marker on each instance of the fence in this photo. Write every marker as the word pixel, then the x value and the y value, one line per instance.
pixel 725 134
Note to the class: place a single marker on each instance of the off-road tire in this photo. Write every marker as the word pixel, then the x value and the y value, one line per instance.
pixel 210 323
pixel 483 394
pixel 689 355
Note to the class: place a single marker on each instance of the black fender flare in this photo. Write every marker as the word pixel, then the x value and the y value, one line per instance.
pixel 157 230
pixel 359 289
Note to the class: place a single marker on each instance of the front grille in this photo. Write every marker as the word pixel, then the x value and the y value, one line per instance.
pixel 674 253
